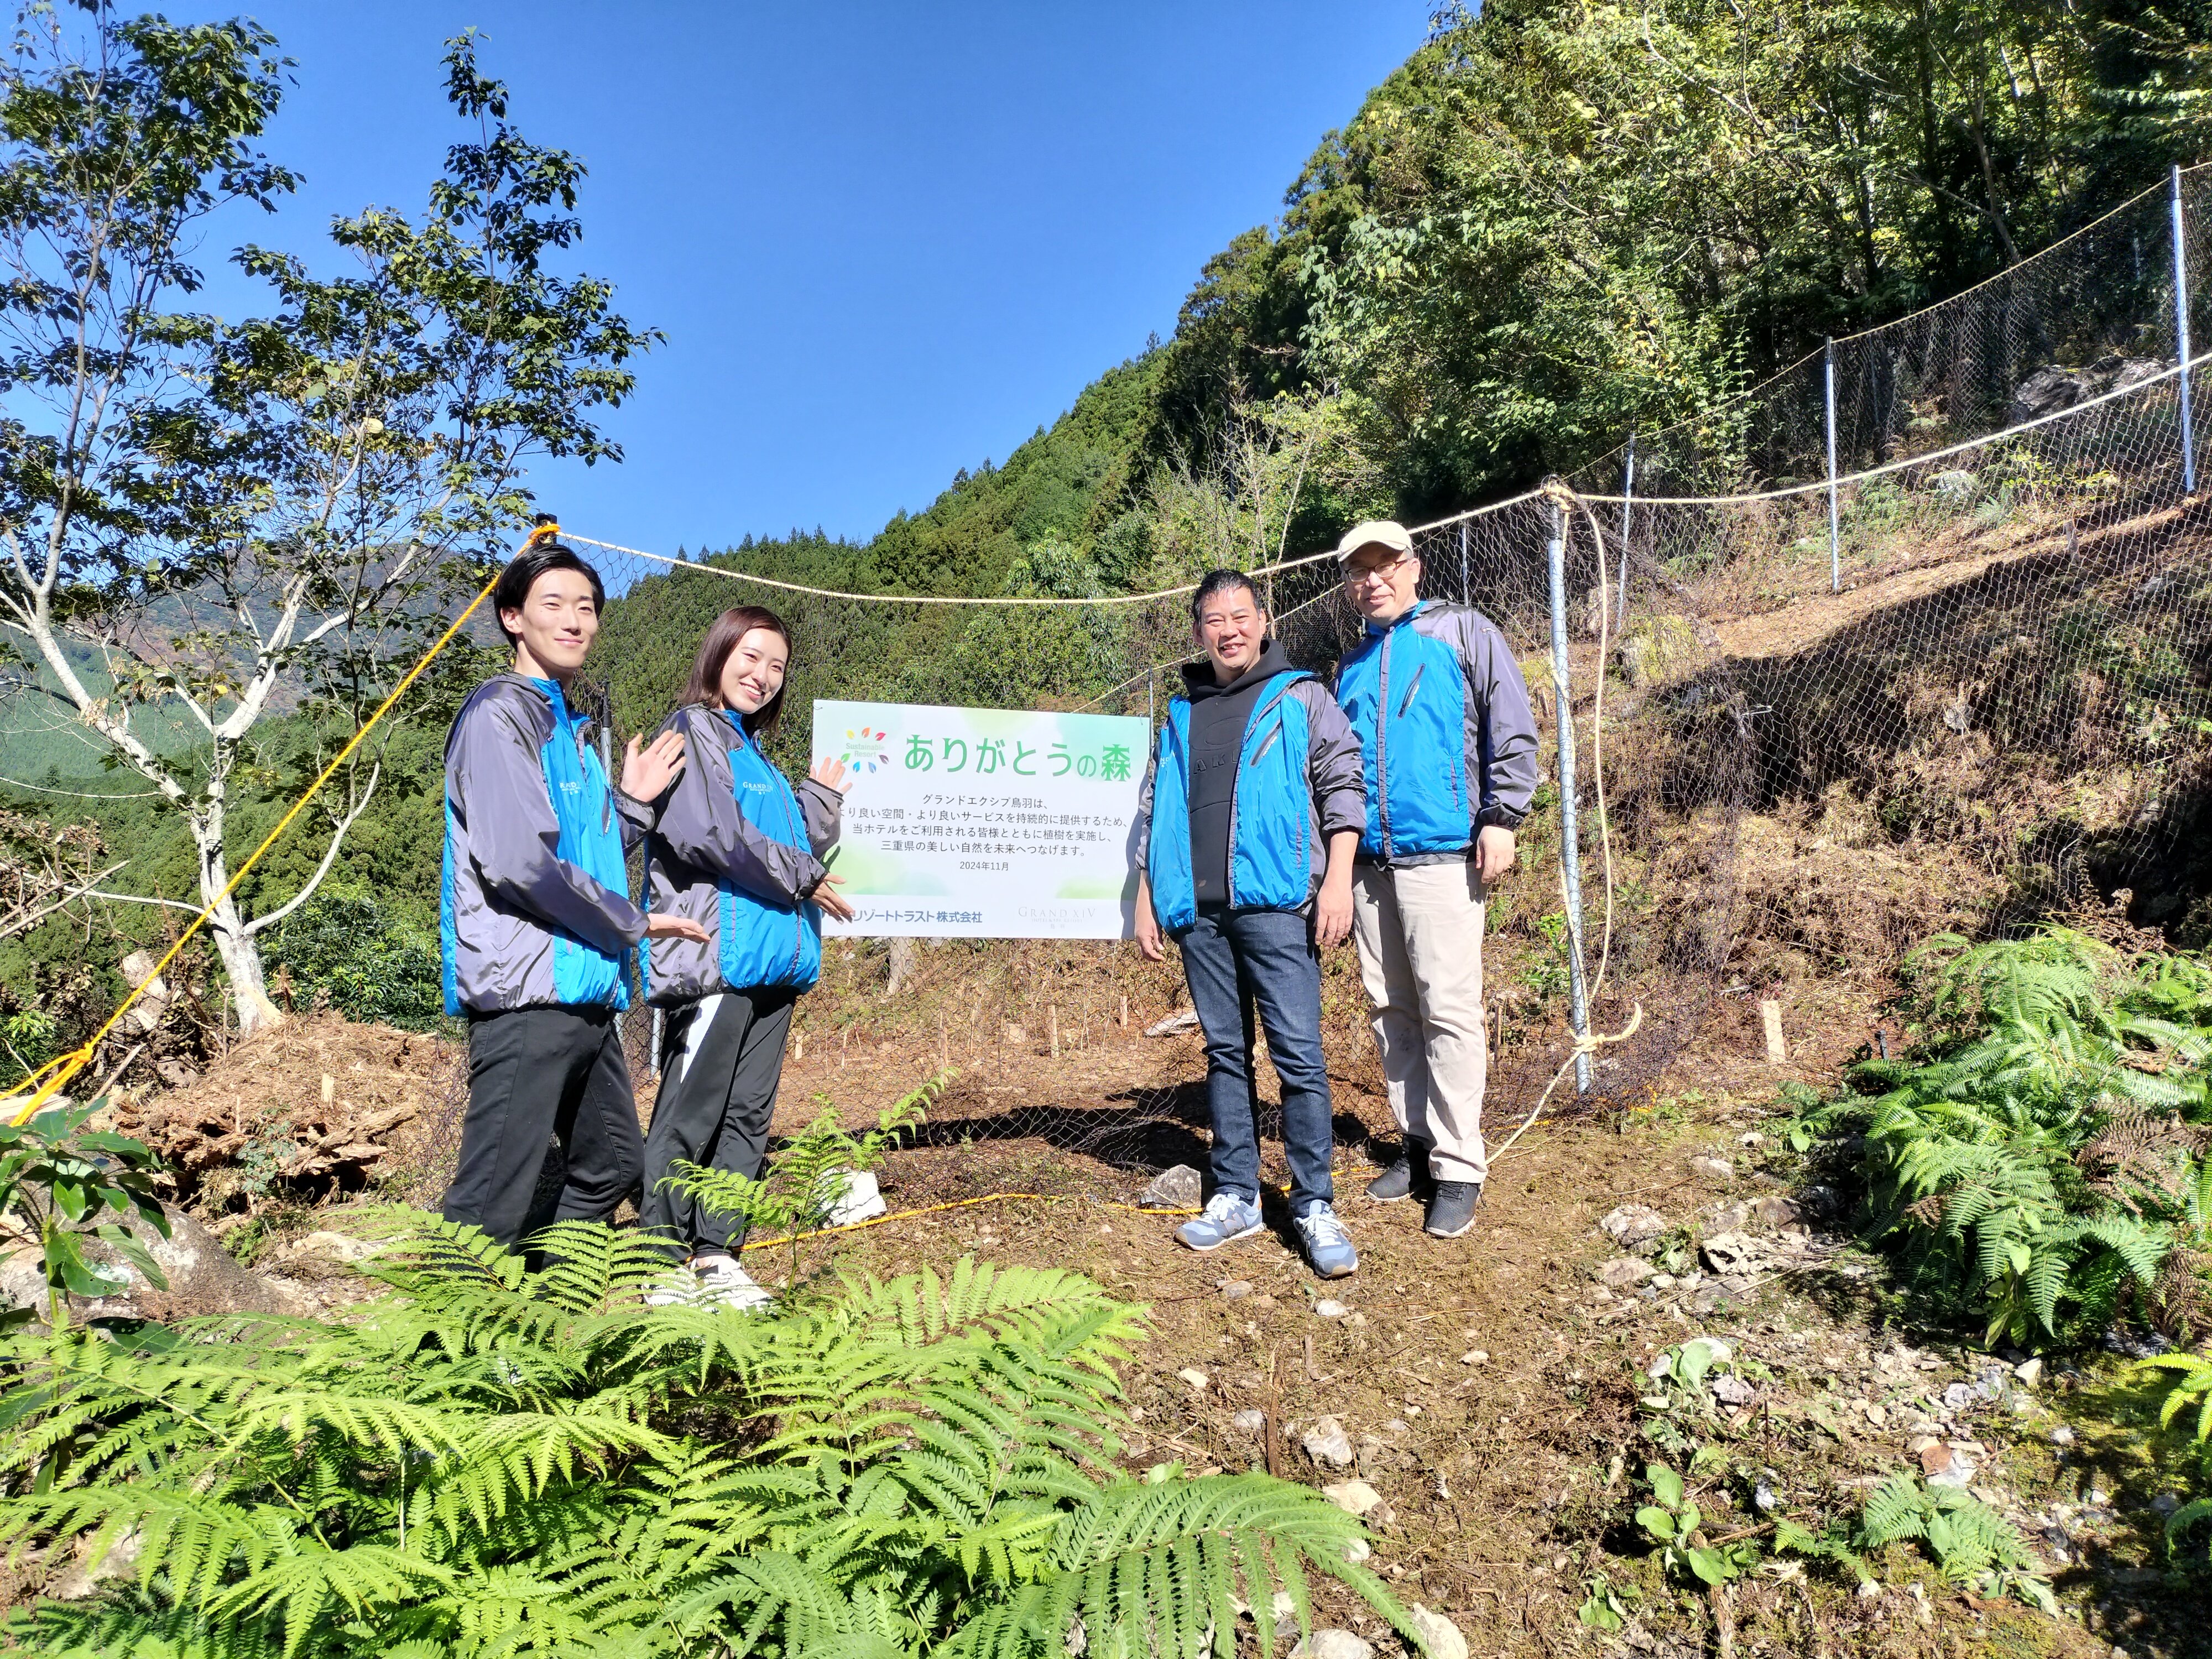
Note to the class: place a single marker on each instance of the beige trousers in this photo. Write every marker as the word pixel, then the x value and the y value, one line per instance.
pixel 1420 931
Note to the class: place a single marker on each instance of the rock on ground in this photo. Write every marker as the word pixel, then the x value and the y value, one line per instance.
pixel 1444 1637
pixel 1352 1497
pixel 1333 1644
pixel 1624 1271
pixel 1177 1187
pixel 1327 1442
pixel 203 1279
pixel 1632 1225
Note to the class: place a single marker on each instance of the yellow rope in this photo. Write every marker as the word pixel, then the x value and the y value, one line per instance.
pixel 50 1078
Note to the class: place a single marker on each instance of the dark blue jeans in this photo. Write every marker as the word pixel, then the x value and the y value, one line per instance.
pixel 1236 960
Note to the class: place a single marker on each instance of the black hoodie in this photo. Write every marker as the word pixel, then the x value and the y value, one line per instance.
pixel 1218 715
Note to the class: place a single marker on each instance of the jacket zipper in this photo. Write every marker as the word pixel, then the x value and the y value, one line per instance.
pixel 1383 742
pixel 1236 780
pixel 1415 686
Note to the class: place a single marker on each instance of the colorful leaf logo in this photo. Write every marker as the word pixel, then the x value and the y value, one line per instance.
pixel 864 750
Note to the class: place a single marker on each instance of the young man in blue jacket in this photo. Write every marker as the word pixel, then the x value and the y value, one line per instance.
pixel 1447 746
pixel 536 918
pixel 1245 830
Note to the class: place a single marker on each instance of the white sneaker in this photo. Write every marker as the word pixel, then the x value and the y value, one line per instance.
pixel 720 1280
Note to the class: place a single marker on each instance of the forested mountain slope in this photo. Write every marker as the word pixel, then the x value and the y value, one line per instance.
pixel 1556 222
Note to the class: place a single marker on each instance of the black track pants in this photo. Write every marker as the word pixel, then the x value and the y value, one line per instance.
pixel 536 1075
pixel 722 1059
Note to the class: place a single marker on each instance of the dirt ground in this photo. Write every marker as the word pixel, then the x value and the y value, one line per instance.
pixel 1486 1389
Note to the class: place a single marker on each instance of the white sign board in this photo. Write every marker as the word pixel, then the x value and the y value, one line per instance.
pixel 985 822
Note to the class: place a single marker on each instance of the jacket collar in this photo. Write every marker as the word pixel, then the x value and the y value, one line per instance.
pixel 1376 630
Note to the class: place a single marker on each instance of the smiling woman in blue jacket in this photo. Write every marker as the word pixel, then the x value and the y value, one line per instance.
pixel 739 852
pixel 1247 823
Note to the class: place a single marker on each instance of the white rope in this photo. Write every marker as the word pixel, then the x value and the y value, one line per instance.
pixel 1585 1045
pixel 928 599
pixel 1024 599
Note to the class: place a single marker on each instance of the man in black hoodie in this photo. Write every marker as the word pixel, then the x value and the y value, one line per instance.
pixel 1247 825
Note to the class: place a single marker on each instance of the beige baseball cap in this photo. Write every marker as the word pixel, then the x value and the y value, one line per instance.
pixel 1375 532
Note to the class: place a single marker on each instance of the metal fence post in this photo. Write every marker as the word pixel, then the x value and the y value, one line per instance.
pixel 2181 336
pixel 1466 573
pixel 1627 498
pixel 1835 534
pixel 1571 862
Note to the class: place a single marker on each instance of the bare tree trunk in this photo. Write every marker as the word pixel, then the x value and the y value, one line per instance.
pixel 234 940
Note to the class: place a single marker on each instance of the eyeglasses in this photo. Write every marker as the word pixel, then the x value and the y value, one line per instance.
pixel 1357 574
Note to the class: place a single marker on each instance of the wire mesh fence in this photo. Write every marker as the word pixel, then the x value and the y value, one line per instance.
pixel 1966 684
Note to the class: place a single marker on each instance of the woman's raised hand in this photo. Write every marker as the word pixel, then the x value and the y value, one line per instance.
pixel 647 771
pixel 829 773
pixel 834 904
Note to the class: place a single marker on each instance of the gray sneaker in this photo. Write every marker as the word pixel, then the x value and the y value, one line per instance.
pixel 1328 1247
pixel 1451 1208
pixel 1227 1218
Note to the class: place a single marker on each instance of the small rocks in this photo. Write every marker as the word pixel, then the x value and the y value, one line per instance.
pixel 1958 1396
pixel 1197 1378
pixel 1237 1289
pixel 1328 1307
pixel 1876 1414
pixel 1176 1188
pixel 1352 1497
pixel 1358 1551
pixel 1632 1225
pixel 1333 1644
pixel 1777 1212
pixel 1376 1454
pixel 1445 1638
pixel 1947 1466
pixel 1751 1138
pixel 2062 1436
pixel 1732 1390
pixel 1623 1273
pixel 1729 1253
pixel 1249 1422
pixel 2029 1373
pixel 1475 1356
pixel 1717 1170
pixel 1327 1442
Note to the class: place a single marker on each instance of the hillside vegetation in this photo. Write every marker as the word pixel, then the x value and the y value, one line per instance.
pixel 1553 222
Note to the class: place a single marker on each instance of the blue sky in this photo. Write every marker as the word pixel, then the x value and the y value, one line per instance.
pixel 885 242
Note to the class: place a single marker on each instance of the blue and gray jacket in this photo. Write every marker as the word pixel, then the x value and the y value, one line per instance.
pixel 1297 784
pixel 1447 740
pixel 535 907
pixel 739 851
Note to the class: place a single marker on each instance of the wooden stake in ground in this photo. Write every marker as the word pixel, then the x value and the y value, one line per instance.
pixel 1125 1013
pixel 1052 1027
pixel 1769 1011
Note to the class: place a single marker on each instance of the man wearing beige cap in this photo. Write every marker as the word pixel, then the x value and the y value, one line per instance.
pixel 1448 747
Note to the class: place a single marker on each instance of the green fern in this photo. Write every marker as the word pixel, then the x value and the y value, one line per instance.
pixel 1986 1151
pixel 2189 1383
pixel 488 1461
pixel 1973 1546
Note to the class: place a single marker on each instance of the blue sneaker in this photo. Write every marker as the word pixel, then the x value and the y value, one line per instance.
pixel 1328 1247
pixel 1227 1218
